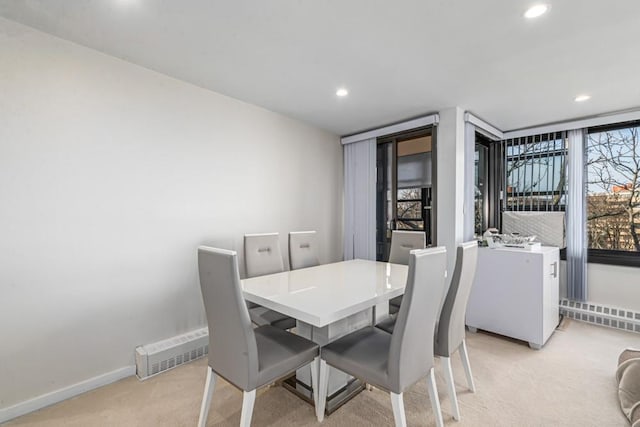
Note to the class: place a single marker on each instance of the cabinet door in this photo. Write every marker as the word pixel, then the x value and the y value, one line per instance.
pixel 551 293
pixel 506 297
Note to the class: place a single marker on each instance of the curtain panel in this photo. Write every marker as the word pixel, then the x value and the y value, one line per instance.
pixel 576 217
pixel 360 200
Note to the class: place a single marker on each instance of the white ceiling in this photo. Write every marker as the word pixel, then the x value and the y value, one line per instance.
pixel 399 59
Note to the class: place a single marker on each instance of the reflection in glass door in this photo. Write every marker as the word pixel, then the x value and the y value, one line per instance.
pixel 480 190
pixel 488 183
pixel 405 190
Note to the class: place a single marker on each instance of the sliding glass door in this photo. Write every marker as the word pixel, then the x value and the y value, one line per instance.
pixel 405 187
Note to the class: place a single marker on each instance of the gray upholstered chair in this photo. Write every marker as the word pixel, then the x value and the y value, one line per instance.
pixel 247 358
pixel 402 242
pixel 303 249
pixel 396 361
pixel 450 331
pixel 262 256
pixel 450 335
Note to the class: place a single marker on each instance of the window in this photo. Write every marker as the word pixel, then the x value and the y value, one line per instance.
pixel 535 179
pixel 535 173
pixel 405 186
pixel 488 181
pixel 409 208
pixel 613 193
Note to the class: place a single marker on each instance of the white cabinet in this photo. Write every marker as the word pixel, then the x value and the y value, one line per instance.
pixel 516 293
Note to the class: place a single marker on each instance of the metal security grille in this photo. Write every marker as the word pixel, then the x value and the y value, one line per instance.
pixel 535 173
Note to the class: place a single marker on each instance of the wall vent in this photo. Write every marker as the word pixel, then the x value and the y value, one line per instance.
pixel 612 317
pixel 152 359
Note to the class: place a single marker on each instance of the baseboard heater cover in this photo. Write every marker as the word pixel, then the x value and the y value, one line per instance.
pixel 152 359
pixel 598 314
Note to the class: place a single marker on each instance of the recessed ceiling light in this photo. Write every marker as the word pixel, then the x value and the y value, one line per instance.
pixel 536 10
pixel 342 92
pixel 582 98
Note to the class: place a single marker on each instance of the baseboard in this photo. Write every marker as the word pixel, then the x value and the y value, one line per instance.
pixel 65 393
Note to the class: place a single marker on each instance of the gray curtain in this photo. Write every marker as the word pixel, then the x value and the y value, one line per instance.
pixel 576 217
pixel 360 200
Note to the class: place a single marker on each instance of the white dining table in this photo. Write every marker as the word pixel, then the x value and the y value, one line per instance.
pixel 329 301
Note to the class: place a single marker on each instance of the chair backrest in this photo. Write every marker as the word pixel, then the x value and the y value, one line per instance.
pixel 451 325
pixel 262 254
pixel 233 352
pixel 403 242
pixel 411 351
pixel 303 249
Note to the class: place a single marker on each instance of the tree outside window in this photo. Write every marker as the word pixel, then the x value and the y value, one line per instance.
pixel 409 209
pixel 613 189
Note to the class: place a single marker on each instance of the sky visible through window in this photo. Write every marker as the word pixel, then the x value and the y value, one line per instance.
pixel 613 189
pixel 535 169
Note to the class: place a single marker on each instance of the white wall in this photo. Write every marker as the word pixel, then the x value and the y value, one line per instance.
pixel 614 285
pixel 610 285
pixel 110 176
pixel 450 149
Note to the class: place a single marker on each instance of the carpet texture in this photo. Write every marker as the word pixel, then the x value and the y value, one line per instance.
pixel 570 382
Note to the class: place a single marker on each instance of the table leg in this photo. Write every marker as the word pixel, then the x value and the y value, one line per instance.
pixel 380 312
pixel 342 386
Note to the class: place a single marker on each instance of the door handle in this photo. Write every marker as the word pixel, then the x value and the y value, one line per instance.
pixel 554 266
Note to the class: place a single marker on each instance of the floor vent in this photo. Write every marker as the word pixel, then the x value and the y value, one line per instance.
pixel 152 359
pixel 613 317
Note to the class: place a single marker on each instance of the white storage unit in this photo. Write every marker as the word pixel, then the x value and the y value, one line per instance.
pixel 516 293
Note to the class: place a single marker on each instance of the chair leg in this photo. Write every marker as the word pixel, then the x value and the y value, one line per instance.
pixel 209 385
pixel 433 396
pixel 323 381
pixel 248 399
pixel 464 355
pixel 315 368
pixel 398 409
pixel 448 375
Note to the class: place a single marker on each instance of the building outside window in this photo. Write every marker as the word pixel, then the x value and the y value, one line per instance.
pixel 613 188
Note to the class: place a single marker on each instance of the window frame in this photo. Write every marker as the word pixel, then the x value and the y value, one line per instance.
pixel 611 256
pixel 492 200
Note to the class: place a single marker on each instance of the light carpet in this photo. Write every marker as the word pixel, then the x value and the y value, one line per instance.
pixel 570 382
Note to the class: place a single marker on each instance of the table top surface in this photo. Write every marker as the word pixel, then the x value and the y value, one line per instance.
pixel 327 293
